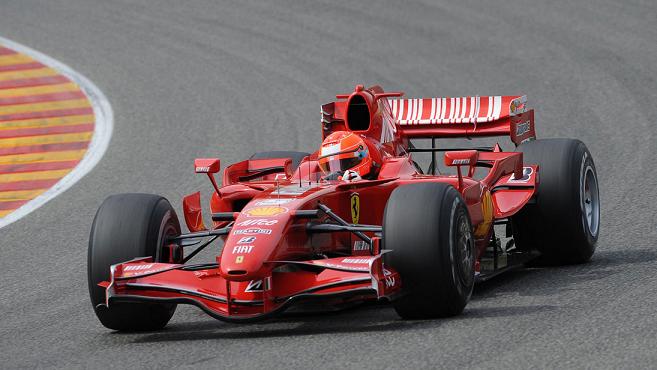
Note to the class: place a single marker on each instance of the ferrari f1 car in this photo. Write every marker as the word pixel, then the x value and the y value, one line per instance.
pixel 357 220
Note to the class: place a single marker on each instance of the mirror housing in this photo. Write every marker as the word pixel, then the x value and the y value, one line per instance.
pixel 461 158
pixel 209 166
pixel 458 158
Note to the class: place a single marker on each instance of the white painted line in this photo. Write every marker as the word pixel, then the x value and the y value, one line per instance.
pixel 104 123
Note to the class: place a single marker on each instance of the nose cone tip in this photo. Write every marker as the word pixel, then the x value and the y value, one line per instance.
pixel 239 267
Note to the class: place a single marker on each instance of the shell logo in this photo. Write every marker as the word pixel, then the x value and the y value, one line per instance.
pixel 265 211
pixel 487 212
pixel 517 106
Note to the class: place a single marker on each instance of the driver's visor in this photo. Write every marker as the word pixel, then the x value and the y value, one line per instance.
pixel 339 165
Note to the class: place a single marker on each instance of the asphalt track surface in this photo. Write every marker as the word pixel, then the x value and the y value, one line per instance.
pixel 197 78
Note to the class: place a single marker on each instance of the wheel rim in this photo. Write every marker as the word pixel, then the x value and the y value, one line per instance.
pixel 465 251
pixel 591 201
pixel 169 230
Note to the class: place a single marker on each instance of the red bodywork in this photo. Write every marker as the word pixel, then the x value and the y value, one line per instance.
pixel 270 259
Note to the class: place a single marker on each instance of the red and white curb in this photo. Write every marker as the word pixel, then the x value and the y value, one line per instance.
pixel 104 122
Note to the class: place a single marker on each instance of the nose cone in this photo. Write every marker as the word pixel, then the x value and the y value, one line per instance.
pixel 253 240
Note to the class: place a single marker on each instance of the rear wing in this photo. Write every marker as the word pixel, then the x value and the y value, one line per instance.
pixel 464 117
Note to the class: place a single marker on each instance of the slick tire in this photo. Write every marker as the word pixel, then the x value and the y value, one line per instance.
pixel 296 157
pixel 428 229
pixel 128 226
pixel 564 223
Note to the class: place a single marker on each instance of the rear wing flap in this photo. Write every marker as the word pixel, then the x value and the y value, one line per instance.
pixel 464 117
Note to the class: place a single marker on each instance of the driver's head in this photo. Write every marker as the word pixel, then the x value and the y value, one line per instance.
pixel 343 151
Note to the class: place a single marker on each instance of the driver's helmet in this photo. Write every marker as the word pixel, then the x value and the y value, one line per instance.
pixel 342 151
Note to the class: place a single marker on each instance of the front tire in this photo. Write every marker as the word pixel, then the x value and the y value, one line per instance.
pixel 564 223
pixel 128 226
pixel 428 229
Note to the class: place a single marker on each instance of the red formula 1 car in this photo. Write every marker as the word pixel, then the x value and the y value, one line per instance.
pixel 357 220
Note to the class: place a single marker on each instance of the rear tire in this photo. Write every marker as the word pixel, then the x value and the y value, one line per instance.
pixel 428 229
pixel 296 157
pixel 128 226
pixel 564 224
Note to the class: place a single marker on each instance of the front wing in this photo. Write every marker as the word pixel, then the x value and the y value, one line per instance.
pixel 337 280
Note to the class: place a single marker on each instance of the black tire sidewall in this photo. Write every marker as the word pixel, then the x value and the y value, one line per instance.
pixel 128 226
pixel 463 282
pixel 587 163
pixel 556 225
pixel 421 229
pixel 151 215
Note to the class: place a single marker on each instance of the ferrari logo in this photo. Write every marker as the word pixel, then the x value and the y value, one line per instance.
pixel 355 207
pixel 239 259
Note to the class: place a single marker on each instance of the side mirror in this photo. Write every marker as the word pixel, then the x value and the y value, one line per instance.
pixel 458 158
pixel 461 158
pixel 206 165
pixel 209 166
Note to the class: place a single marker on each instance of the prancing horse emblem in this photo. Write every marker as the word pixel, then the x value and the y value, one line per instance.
pixel 355 207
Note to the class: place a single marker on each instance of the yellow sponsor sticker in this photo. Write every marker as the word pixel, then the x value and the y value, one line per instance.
pixel 265 211
pixel 487 212
pixel 239 259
